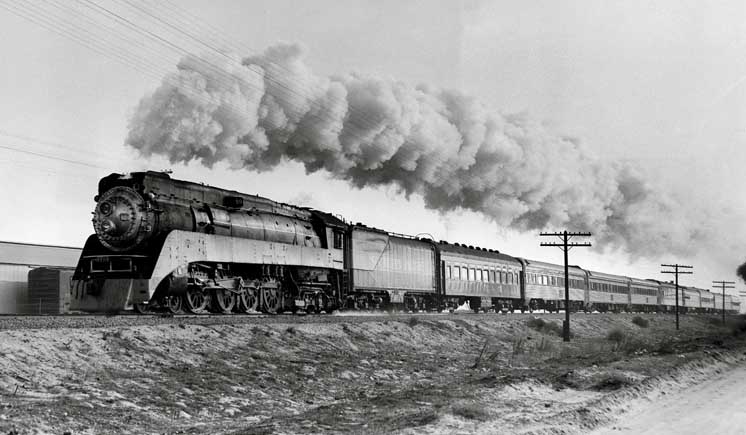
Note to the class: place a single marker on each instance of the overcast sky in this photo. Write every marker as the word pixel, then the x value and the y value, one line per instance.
pixel 658 84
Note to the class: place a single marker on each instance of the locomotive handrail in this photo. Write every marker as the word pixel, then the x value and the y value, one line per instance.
pixel 115 255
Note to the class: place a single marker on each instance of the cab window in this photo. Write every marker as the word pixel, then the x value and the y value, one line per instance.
pixel 337 240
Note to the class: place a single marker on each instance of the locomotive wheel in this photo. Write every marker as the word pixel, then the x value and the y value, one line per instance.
pixel 172 304
pixel 270 300
pixel 223 301
pixel 248 300
pixel 195 301
pixel 141 308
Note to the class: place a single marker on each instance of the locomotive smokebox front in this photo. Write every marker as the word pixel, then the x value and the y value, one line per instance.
pixel 123 218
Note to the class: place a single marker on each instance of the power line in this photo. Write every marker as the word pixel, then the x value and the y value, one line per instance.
pixel 677 272
pixel 222 73
pixel 311 99
pixel 51 23
pixel 723 285
pixel 51 144
pixel 47 156
pixel 222 77
pixel 566 245
pixel 47 21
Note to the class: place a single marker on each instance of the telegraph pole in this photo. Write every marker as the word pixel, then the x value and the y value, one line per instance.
pixel 565 237
pixel 678 272
pixel 722 285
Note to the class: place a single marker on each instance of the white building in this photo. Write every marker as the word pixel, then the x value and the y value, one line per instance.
pixel 17 259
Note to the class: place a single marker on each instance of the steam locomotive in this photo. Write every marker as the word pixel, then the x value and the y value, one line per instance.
pixel 176 245
pixel 166 244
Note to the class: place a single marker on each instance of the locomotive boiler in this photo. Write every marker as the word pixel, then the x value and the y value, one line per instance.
pixel 182 245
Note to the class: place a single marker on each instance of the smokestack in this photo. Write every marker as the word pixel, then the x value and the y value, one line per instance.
pixel 443 145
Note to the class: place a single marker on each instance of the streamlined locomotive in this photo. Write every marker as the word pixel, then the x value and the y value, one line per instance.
pixel 178 245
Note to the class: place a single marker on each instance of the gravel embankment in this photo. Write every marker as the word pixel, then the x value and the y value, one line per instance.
pixel 434 374
pixel 9 322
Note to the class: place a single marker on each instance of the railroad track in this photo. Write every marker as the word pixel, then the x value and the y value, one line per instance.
pixel 13 322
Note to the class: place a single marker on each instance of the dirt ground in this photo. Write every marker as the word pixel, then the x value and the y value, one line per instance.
pixel 714 407
pixel 429 374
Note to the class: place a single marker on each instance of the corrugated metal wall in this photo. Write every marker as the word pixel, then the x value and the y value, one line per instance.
pixel 382 262
pixel 13 289
pixel 49 290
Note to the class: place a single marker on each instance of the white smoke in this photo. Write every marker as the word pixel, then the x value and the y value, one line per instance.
pixel 443 145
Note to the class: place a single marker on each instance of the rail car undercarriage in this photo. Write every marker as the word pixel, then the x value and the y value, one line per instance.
pixel 382 300
pixel 231 288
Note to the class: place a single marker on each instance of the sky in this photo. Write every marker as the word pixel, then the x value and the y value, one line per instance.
pixel 660 86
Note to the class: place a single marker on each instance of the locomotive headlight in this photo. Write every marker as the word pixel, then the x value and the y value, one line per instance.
pixel 105 208
pixel 107 225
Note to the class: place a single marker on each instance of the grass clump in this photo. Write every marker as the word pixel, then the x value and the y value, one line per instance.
pixel 639 321
pixel 544 345
pixel 737 325
pixel 617 336
pixel 536 323
pixel 543 326
pixel 611 381
pixel 518 345
pixel 624 343
pixel 470 411
pixel 665 347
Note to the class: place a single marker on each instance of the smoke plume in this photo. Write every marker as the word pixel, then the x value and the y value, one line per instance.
pixel 741 272
pixel 440 144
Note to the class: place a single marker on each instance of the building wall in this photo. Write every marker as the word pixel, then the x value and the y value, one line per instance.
pixel 17 260
pixel 13 288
